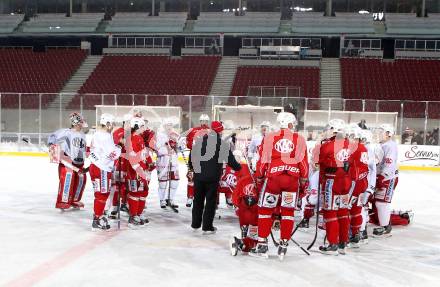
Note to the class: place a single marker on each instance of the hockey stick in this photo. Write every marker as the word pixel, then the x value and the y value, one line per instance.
pixel 317 220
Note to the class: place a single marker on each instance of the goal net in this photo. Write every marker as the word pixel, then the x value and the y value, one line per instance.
pixel 155 115
pixel 315 120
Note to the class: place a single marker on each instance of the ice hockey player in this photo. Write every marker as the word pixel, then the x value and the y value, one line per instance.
pixel 68 149
pixel 374 156
pixel 121 165
pixel 167 164
pixel 334 166
pixel 282 170
pixel 359 176
pixel 103 154
pixel 387 179
pixel 255 144
pixel 229 179
pixel 140 166
pixel 245 198
pixel 190 138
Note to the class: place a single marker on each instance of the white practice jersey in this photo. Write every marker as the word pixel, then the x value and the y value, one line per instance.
pixel 253 154
pixel 72 143
pixel 388 165
pixel 167 158
pixel 103 151
pixel 373 160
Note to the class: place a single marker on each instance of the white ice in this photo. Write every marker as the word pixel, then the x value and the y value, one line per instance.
pixel 40 246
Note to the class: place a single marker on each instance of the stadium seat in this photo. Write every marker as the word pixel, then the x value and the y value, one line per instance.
pixel 25 71
pixel 151 75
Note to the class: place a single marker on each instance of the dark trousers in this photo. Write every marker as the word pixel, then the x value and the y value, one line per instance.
pixel 201 212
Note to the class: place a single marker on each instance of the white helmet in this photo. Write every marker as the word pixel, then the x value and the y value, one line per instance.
pixel 136 121
pixel 353 130
pixel 106 119
pixel 265 124
pixel 387 128
pixel 204 118
pixel 366 136
pixel 336 126
pixel 284 119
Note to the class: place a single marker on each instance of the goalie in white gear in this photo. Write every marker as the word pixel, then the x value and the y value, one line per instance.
pixel 255 143
pixel 167 163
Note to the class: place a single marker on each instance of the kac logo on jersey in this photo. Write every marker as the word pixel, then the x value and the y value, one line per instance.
pixel 231 180
pixel 249 190
pixel 284 146
pixel 342 155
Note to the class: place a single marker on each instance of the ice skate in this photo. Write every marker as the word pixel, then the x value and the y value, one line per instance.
pixel 189 202
pixel 261 250
pixel 282 249
pixel 355 240
pixel 382 231
pixel 100 223
pixel 113 215
pixel 363 237
pixel 342 248
pixel 144 220
pixel 235 245
pixel 163 204
pixel 124 208
pixel 134 222
pixel 304 224
pixel 331 249
pixel 229 203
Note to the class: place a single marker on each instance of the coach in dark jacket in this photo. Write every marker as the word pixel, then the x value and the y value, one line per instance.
pixel 206 161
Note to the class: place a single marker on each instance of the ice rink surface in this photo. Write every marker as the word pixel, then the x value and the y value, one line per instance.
pixel 41 246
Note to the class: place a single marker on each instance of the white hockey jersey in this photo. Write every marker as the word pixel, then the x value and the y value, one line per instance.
pixel 103 151
pixel 166 155
pixel 253 154
pixel 388 165
pixel 373 160
pixel 72 143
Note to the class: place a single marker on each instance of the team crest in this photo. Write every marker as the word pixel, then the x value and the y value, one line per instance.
pixel 249 189
pixel 284 146
pixel 342 155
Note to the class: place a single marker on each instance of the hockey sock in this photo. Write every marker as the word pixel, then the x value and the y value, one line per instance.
pixel 163 192
pixel 365 218
pixel 141 205
pixel 344 225
pixel 99 203
pixel 173 188
pixel 115 197
pixel 331 226
pixel 287 221
pixel 355 219
pixel 264 222
pixel 383 212
pixel 133 203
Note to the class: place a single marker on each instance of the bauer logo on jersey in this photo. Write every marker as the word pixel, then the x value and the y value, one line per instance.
pixel 281 168
pixel 284 146
pixel 342 155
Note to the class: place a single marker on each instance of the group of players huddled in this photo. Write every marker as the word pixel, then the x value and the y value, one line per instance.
pixel 339 178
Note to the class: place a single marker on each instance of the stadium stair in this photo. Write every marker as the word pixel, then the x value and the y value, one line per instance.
pixel 330 83
pixel 77 81
pixel 224 80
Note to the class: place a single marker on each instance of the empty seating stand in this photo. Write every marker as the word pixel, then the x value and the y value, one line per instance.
pixel 152 75
pixel 305 78
pixel 317 23
pixel 60 23
pixel 24 71
pixel 8 22
pixel 402 23
pixel 143 23
pixel 251 22
pixel 413 80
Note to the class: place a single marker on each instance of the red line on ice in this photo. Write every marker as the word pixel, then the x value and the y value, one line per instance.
pixel 52 266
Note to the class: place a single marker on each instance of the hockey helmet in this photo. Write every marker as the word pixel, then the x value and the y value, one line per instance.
pixel 137 123
pixel 106 119
pixel 77 119
pixel 336 126
pixel 284 119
